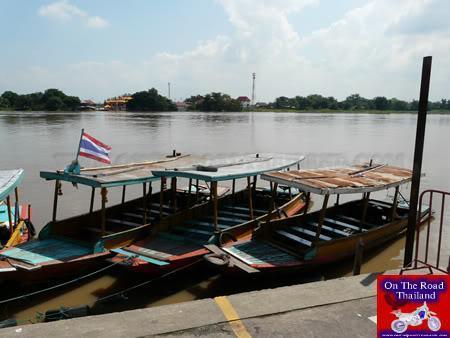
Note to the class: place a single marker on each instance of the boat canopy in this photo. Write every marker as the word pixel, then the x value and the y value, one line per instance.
pixel 9 180
pixel 232 167
pixel 118 175
pixel 348 180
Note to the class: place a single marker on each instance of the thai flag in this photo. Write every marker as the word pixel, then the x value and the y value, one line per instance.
pixel 92 148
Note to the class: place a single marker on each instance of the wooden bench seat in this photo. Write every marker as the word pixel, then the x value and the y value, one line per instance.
pixel 294 238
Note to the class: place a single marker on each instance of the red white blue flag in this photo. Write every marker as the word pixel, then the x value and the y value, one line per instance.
pixel 92 148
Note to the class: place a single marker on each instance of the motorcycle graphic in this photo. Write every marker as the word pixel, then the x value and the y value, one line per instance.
pixel 415 318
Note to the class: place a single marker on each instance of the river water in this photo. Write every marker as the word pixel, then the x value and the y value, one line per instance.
pixel 39 140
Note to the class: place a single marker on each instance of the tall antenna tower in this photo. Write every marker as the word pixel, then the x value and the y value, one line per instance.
pixel 168 85
pixel 253 88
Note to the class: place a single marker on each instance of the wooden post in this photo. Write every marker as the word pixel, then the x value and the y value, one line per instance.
pixel 189 197
pixel 173 186
pixel 322 216
pixel 273 197
pixel 394 205
pixel 161 198
pixel 358 257
pixel 215 205
pixel 233 190
pixel 418 155
pixel 16 194
pixel 124 189
pixel 364 210
pixel 104 193
pixel 55 201
pixel 10 220
pixel 250 199
pixel 91 206
pixel 197 192
pixel 308 202
pixel 144 202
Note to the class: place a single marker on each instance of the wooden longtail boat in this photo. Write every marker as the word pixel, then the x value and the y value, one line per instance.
pixel 15 220
pixel 179 240
pixel 326 235
pixel 70 245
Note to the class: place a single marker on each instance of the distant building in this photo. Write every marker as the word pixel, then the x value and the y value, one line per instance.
pixel 88 105
pixel 117 103
pixel 181 106
pixel 244 101
pixel 261 105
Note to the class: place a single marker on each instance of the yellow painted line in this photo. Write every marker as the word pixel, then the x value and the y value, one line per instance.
pixel 233 318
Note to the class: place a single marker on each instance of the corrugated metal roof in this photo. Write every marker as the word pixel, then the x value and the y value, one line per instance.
pixel 355 179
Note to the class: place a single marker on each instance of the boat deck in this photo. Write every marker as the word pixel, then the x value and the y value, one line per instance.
pixel 257 253
pixel 44 251
pixel 336 225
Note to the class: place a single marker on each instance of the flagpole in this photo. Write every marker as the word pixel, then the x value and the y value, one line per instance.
pixel 79 144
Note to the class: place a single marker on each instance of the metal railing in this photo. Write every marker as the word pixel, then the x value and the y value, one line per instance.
pixel 422 259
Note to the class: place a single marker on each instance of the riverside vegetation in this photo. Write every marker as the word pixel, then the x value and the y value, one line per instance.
pixel 151 100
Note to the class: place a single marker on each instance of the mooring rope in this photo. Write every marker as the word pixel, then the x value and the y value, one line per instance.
pixel 62 284
pixel 121 293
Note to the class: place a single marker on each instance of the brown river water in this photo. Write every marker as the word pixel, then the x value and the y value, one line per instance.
pixel 39 140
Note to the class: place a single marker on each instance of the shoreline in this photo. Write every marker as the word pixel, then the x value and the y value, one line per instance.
pixel 256 110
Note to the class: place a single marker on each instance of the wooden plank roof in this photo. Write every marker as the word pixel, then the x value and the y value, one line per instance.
pixel 233 167
pixel 347 180
pixel 118 175
pixel 9 179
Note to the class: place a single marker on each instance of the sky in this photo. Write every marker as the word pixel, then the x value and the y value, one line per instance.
pixel 96 49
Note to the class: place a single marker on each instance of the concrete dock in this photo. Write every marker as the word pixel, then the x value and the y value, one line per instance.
pixel 341 307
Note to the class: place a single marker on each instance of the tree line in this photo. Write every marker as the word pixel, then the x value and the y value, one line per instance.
pixel 213 102
pixel 52 100
pixel 150 100
pixel 353 102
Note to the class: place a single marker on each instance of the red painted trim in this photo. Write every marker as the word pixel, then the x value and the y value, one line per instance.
pixel 97 142
pixel 94 157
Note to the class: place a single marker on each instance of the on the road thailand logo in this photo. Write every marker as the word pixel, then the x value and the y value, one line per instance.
pixel 413 306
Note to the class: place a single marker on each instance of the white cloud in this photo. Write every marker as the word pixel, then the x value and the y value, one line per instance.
pixel 375 49
pixel 96 22
pixel 63 11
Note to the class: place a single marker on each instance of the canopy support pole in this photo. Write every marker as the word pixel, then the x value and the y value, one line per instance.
pixel 55 201
pixel 124 189
pixel 364 211
pixel 8 205
pixel 233 190
pixel 161 198
pixel 189 197
pixel 308 202
pixel 173 185
pixel 394 205
pixel 322 216
pixel 91 205
pixel 273 199
pixel 215 205
pixel 197 192
pixel 144 201
pixel 104 193
pixel 250 199
pixel 16 194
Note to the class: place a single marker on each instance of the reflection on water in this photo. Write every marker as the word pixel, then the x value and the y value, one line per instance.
pixel 41 140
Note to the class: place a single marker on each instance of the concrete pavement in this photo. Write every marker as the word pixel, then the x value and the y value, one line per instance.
pixel 320 309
